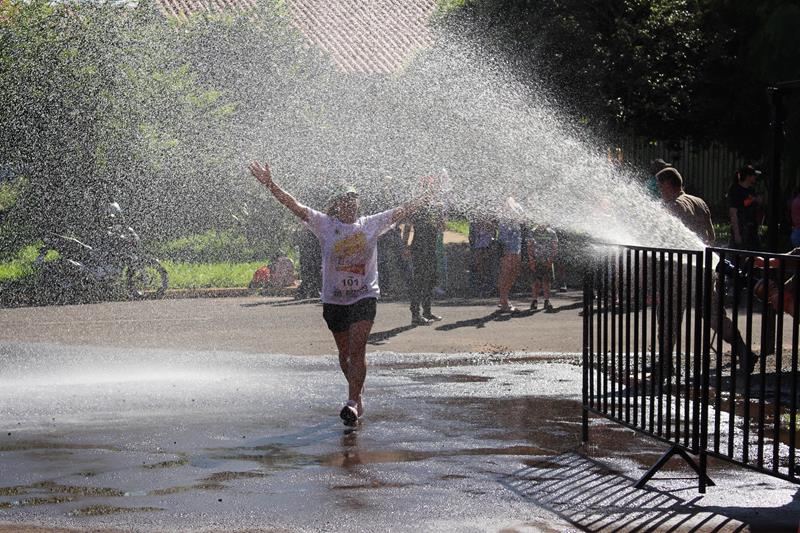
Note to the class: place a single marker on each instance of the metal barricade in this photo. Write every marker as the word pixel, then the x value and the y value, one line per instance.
pixel 656 326
pixel 751 398
pixel 643 344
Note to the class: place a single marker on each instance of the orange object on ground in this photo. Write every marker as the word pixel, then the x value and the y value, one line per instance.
pixel 261 278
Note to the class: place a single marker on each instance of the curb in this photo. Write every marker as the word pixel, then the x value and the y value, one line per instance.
pixel 177 294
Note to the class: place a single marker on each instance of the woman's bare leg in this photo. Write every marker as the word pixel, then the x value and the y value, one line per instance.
pixel 357 370
pixel 342 339
pixel 509 269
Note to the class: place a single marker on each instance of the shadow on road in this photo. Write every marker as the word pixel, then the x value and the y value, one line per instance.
pixel 285 303
pixel 592 497
pixel 379 337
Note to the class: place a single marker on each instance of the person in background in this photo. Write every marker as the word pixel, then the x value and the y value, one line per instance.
pixel 349 274
pixel 767 289
pixel 427 224
pixel 481 239
pixel 310 266
pixel 441 267
pixel 281 271
pixel 651 184
pixel 542 250
pixel 394 268
pixel 562 259
pixel 510 236
pixel 695 215
pixel 745 211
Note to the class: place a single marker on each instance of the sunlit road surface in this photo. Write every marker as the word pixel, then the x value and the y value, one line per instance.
pixel 279 325
pixel 102 436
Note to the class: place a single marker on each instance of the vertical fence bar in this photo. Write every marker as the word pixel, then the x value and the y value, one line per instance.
pixel 605 333
pixel 795 340
pixel 749 348
pixel 720 309
pixel 653 363
pixel 661 339
pixel 678 323
pixel 762 388
pixel 776 428
pixel 637 307
pixel 699 352
pixel 587 346
pixel 588 318
pixel 646 282
pixel 628 335
pixel 735 356
pixel 614 340
pixel 691 259
pixel 670 338
pixel 600 339
pixel 598 333
pixel 707 288
pixel 620 364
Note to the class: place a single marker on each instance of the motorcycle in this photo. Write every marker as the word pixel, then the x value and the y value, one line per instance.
pixel 114 264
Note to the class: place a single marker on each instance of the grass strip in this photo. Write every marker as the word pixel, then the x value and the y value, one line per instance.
pixel 210 275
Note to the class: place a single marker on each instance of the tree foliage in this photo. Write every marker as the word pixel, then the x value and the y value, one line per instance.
pixel 665 69
pixel 104 102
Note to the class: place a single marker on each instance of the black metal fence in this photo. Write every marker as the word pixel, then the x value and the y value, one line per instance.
pixel 752 395
pixel 697 349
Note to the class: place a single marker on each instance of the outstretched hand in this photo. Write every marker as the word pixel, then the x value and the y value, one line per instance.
pixel 430 188
pixel 262 174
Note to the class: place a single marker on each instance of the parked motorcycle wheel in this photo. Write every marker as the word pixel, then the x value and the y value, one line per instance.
pixel 59 282
pixel 148 279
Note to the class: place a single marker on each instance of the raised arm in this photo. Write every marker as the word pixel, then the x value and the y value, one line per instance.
pixel 264 175
pixel 737 237
pixel 409 208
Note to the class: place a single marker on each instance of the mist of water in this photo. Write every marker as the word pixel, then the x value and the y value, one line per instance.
pixel 455 106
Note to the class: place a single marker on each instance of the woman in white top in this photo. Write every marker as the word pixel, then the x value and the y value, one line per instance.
pixel 349 274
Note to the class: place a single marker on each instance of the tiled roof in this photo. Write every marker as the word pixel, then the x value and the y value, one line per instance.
pixel 368 36
pixel 184 8
pixel 365 35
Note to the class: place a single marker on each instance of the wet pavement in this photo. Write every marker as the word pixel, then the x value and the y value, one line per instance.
pixel 135 439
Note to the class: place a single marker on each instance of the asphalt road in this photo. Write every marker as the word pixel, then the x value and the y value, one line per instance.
pixel 203 415
pixel 281 325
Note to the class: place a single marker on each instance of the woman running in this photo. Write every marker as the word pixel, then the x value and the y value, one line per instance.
pixel 349 274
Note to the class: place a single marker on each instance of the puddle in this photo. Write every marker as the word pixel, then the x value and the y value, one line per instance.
pixel 102 510
pixel 219 477
pixel 44 445
pixel 167 464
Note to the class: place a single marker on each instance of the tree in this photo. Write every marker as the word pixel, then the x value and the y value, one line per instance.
pixel 665 69
pixel 102 102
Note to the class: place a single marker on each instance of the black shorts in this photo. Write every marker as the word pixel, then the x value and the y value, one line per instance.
pixel 341 317
pixel 543 271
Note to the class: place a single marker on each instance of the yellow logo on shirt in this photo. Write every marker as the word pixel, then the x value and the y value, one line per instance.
pixel 349 253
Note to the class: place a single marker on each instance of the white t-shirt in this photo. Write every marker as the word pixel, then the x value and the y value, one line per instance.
pixel 349 255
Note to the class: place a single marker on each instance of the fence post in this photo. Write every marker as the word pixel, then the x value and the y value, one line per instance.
pixel 705 358
pixel 588 299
